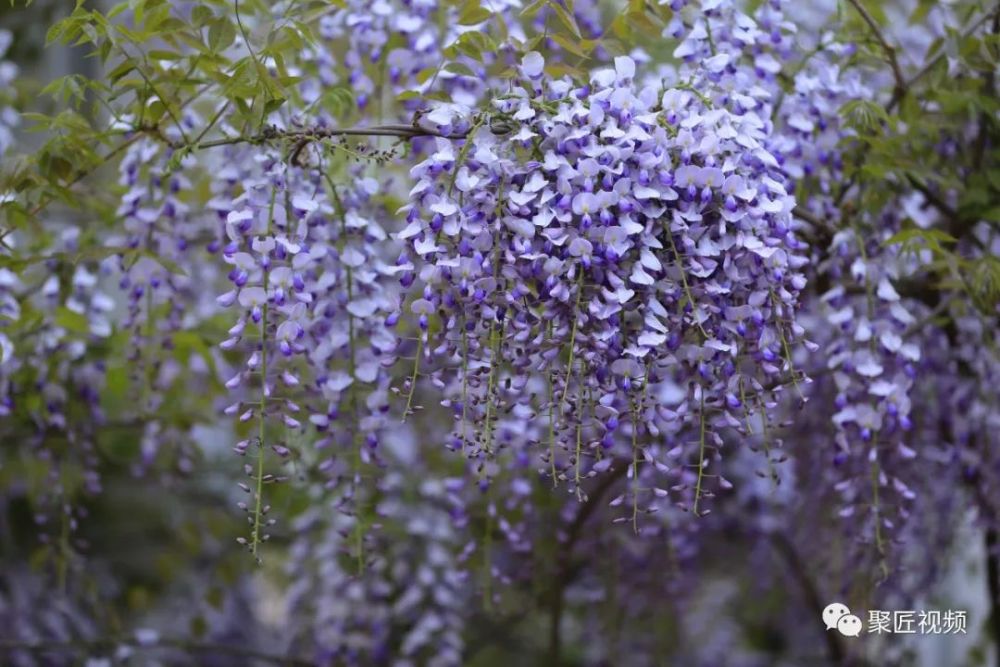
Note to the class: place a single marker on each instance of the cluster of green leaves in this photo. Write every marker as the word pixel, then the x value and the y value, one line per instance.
pixel 938 135
pixel 154 64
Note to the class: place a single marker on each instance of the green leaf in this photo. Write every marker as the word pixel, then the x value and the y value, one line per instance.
pixel 876 10
pixel 201 15
pixel 407 95
pixel 570 46
pixel 566 18
pixel 921 11
pixel 982 281
pixel 992 214
pixel 221 34
pixel 914 239
pixel 532 9
pixel 865 116
pixel 163 54
pixel 460 68
pixel 123 68
pixel 473 14
pixel 71 321
pixel 425 74
pixel 273 104
pixel 473 44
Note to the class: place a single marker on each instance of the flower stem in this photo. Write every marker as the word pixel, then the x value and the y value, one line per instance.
pixel 262 417
pixel 784 343
pixel 635 468
pixel 572 338
pixel 579 444
pixel 701 454
pixel 552 417
pixel 465 379
pixel 490 387
pixel 684 283
pixel 413 378
pixel 879 538
pixel 255 541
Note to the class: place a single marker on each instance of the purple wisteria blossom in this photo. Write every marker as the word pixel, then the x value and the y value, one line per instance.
pixel 598 253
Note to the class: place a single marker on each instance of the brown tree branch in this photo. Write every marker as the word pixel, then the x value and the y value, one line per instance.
pixel 812 596
pixel 932 198
pixel 889 49
pixel 942 51
pixel 565 572
pixel 315 134
pixel 803 213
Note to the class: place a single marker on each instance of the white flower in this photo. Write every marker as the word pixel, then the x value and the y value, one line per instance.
pixel 532 65
pixel 6 348
pixel 625 67
pixel 251 297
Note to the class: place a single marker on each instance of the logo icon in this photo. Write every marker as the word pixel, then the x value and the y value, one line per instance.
pixel 838 616
pixel 849 625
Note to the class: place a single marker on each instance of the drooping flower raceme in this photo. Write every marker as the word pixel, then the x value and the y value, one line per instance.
pixel 399 603
pixel 306 270
pixel 397 46
pixel 9 118
pixel 614 241
pixel 265 240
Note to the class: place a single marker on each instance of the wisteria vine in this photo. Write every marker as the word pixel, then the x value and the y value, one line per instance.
pixel 476 307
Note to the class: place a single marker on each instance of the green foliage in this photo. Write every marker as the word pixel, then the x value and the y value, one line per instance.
pixel 932 238
pixel 982 280
pixel 866 117
pixel 912 142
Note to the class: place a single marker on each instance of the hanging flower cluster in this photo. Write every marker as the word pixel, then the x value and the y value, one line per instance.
pixel 157 224
pixel 263 250
pixel 396 47
pixel 872 363
pixel 9 118
pixel 389 44
pixel 10 311
pixel 58 359
pixel 162 272
pixel 605 280
pixel 400 603
pixel 612 240
pixel 308 277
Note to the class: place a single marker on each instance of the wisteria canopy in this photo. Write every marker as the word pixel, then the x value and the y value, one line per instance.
pixel 489 332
